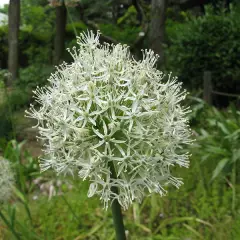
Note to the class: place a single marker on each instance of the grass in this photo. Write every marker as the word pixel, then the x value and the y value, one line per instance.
pixel 186 213
pixel 200 209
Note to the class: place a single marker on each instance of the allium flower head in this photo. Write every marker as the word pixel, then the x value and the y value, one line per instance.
pixel 107 109
pixel 6 180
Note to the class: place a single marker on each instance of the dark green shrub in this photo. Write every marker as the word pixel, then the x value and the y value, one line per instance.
pixel 35 36
pixel 6 128
pixel 18 98
pixel 3 46
pixel 33 47
pixel 125 35
pixel 75 27
pixel 219 141
pixel 34 75
pixel 129 18
pixel 210 42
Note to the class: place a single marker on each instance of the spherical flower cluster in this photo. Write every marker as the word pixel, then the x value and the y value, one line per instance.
pixel 6 180
pixel 106 112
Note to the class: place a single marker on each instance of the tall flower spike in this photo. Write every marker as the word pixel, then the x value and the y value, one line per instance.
pixel 107 109
pixel 6 180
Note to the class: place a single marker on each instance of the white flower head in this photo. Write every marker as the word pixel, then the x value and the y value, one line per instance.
pixel 6 180
pixel 106 111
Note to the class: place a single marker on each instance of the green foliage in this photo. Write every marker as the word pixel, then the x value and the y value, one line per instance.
pixel 124 35
pixel 6 128
pixel 100 9
pixel 38 19
pixel 217 149
pixel 18 98
pixel 35 36
pixel 34 75
pixel 3 78
pixel 198 110
pixel 129 18
pixel 3 46
pixel 176 15
pixel 11 100
pixel 187 213
pixel 4 9
pixel 75 26
pixel 219 140
pixel 204 43
pixel 198 210
pixel 34 46
pixel 25 166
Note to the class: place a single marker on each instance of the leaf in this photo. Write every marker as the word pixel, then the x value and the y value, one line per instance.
pixel 204 132
pixel 234 112
pixel 144 228
pixel 217 150
pixel 219 115
pixel 193 230
pixel 2 216
pixel 170 221
pixel 234 136
pixel 236 155
pixel 205 157
pixel 91 232
pixel 13 216
pixel 223 128
pixel 219 167
pixel 20 195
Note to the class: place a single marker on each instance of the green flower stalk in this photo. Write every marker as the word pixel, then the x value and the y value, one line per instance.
pixel 107 109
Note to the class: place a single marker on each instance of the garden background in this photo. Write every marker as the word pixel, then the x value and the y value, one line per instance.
pixel 197 40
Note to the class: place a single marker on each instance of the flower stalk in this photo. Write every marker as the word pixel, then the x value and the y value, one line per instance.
pixel 9 226
pixel 116 209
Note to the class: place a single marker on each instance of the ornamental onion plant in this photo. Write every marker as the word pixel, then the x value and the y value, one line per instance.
pixel 115 121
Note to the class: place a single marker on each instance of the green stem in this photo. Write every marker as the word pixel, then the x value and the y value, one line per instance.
pixel 116 210
pixel 10 226
pixel 28 212
pixel 234 188
pixel 71 210
pixel 71 20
